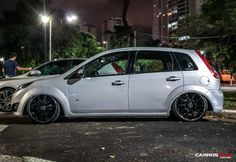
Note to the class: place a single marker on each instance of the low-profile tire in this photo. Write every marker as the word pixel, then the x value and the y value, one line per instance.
pixel 190 107
pixel 43 109
pixel 5 97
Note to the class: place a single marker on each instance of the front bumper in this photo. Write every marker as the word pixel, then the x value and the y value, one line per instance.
pixel 14 107
pixel 18 103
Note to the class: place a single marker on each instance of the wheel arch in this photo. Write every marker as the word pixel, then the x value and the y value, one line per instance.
pixel 188 89
pixel 58 95
pixel 7 87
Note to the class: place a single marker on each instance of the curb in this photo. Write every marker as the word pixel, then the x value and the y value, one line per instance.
pixel 225 114
pixel 228 88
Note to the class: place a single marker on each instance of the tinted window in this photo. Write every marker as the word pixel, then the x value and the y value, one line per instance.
pixel 76 62
pixel 113 64
pixel 185 62
pixel 154 61
pixel 55 67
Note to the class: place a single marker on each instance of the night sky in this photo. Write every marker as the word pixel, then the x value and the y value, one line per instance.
pixel 95 11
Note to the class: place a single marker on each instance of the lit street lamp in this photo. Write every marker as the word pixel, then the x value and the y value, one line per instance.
pixel 106 44
pixel 71 18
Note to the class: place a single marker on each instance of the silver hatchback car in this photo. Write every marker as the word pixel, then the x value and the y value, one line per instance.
pixel 126 82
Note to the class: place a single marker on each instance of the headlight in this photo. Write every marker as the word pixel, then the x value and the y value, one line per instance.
pixel 23 86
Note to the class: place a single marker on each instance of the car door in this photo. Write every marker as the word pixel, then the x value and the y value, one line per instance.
pixel 156 76
pixel 103 87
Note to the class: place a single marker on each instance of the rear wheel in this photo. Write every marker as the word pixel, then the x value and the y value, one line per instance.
pixel 5 98
pixel 43 109
pixel 190 107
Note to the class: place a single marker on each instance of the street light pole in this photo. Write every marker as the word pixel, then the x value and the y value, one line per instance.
pixel 46 19
pixel 50 40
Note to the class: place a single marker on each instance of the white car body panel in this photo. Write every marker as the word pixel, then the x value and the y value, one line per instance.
pixel 102 96
pixel 144 86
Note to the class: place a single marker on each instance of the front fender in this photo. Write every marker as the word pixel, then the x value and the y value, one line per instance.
pixel 52 91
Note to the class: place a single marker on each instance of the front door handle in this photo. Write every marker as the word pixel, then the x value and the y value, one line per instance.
pixel 173 78
pixel 117 83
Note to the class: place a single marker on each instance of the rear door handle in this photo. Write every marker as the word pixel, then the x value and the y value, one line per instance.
pixel 173 78
pixel 117 83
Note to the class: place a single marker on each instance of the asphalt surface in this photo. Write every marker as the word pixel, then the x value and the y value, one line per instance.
pixel 131 140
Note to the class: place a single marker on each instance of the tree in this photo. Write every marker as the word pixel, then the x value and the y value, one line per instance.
pixel 214 31
pixel 123 35
pixel 127 27
pixel 69 42
pixel 22 32
pixel 119 37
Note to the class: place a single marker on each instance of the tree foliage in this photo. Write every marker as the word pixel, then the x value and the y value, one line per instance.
pixel 214 31
pixel 69 42
pixel 22 32
pixel 119 37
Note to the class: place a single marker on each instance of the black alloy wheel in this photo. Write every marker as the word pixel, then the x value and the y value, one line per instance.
pixel 5 98
pixel 190 107
pixel 43 109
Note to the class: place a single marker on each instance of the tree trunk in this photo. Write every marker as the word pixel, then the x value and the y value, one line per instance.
pixel 127 27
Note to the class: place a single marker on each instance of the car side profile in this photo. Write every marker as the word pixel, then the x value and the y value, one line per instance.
pixel 48 69
pixel 136 81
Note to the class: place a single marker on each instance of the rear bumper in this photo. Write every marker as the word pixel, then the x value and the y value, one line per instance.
pixel 216 97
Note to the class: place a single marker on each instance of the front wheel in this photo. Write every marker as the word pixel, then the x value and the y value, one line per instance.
pixel 5 97
pixel 190 107
pixel 43 109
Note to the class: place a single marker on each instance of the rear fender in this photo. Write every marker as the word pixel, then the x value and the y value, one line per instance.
pixel 186 89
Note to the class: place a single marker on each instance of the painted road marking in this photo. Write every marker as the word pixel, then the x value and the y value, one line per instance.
pixel 2 127
pixel 8 158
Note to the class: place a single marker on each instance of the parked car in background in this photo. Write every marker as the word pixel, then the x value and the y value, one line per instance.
pixel 126 82
pixel 49 69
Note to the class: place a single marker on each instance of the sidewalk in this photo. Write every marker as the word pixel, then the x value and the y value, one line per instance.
pixel 228 87
pixel 225 114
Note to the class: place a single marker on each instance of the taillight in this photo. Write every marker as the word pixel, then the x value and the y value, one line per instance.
pixel 212 70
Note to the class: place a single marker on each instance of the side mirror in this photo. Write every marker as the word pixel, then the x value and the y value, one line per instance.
pixel 35 73
pixel 80 73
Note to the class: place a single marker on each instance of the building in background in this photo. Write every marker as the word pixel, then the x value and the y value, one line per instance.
pixel 160 21
pixel 167 13
pixel 89 28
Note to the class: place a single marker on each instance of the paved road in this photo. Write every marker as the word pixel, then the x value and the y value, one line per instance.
pixel 100 140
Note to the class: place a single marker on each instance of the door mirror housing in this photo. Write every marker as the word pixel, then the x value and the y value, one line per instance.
pixel 35 73
pixel 80 73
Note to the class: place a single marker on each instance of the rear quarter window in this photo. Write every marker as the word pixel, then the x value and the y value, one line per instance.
pixel 185 61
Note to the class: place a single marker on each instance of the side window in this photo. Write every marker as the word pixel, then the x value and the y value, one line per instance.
pixel 112 64
pixel 154 61
pixel 75 63
pixel 185 62
pixel 54 68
